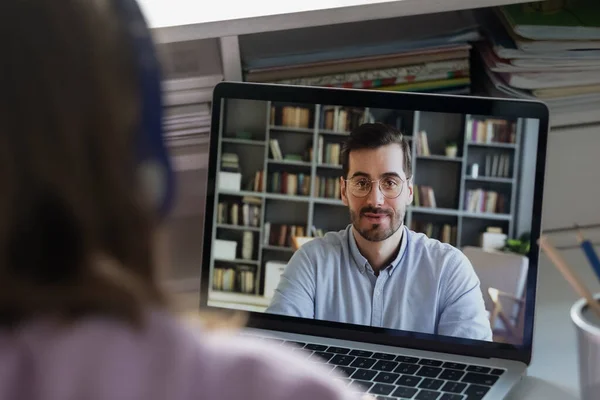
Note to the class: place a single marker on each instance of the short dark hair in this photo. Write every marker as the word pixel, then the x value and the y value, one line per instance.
pixel 372 136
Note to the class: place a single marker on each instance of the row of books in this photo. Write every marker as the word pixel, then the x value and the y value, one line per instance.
pixel 294 184
pixel 343 119
pixel 248 213
pixel 281 234
pixel 498 165
pixel 485 201
pixel 328 153
pixel 422 144
pixel 239 279
pixel 491 131
pixel 431 56
pixel 423 196
pixel 445 233
pixel 290 116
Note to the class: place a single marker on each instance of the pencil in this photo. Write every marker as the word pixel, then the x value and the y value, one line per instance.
pixel 568 273
pixel 590 253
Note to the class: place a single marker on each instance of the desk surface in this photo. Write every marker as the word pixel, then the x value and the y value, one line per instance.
pixel 553 370
pixel 178 20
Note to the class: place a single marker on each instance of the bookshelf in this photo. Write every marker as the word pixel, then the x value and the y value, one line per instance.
pixel 289 166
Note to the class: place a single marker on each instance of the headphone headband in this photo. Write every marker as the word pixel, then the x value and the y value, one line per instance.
pixel 154 166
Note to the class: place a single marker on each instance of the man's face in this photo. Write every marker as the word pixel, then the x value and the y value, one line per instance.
pixel 375 216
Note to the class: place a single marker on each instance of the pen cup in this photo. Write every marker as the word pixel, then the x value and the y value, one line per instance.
pixel 587 325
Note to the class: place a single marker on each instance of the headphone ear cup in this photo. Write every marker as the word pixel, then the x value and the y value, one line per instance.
pixel 153 178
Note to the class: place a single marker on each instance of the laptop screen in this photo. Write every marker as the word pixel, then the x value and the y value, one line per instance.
pixel 410 214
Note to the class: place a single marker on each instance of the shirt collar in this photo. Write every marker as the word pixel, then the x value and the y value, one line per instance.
pixel 361 261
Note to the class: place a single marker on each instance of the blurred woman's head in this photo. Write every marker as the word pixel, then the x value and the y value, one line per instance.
pixel 75 231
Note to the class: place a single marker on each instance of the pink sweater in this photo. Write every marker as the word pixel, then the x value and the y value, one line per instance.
pixel 102 359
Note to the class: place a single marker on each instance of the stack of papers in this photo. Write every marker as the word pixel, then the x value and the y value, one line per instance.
pixel 191 70
pixel 548 51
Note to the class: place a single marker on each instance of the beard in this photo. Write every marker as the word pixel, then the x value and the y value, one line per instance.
pixel 377 232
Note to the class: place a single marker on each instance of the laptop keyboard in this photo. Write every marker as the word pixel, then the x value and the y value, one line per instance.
pixel 388 376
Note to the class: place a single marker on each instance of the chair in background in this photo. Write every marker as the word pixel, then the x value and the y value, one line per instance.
pixel 503 279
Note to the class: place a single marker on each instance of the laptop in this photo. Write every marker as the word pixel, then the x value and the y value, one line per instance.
pixel 478 170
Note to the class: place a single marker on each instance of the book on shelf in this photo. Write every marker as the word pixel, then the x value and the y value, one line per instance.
pixel 229 279
pixel 485 201
pixel 491 131
pixel 422 144
pixel 446 233
pixel 497 165
pixel 328 153
pixel 245 214
pixel 281 234
pixel 275 149
pixel 423 196
pixel 327 187
pixel 294 184
pixel 342 119
pixel 290 116
pixel 230 162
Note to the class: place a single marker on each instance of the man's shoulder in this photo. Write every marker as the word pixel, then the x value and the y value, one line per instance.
pixel 333 240
pixel 423 245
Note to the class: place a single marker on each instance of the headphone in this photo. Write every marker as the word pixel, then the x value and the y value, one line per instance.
pixel 154 167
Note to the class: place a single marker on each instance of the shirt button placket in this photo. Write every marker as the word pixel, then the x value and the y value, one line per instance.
pixel 376 318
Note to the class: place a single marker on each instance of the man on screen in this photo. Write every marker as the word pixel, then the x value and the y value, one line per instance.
pixel 377 272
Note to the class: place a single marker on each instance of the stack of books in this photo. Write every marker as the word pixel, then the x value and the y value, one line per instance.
pixel 381 55
pixel 548 51
pixel 190 72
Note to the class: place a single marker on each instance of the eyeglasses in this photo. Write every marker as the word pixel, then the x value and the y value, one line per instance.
pixel 360 186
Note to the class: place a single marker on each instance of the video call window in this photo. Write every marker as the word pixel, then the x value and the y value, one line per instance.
pixel 278 188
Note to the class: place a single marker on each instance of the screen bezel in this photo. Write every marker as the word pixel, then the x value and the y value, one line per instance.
pixel 495 107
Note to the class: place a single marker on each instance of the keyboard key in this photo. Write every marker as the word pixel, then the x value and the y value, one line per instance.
pixel 454 387
pixel 431 363
pixel 361 353
pixel 315 347
pixel 341 360
pixel 274 340
pixel 477 368
pixel 404 368
pixel 386 377
pixel 302 352
pixel 364 374
pixel 449 396
pixel 294 344
pixel 404 392
pixel 475 392
pixel 338 350
pixel 433 384
pixel 381 388
pixel 429 372
pixel 451 375
pixel 363 362
pixel 385 365
pixel 427 395
pixel 321 356
pixel 497 372
pixel 347 371
pixel 408 380
pixel 406 359
pixel 384 356
pixel 480 379
pixel 360 386
pixel 454 365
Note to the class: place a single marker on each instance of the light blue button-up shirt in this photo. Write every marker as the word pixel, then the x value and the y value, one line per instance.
pixel 431 287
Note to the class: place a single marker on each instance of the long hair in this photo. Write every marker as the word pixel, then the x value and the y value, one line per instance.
pixel 75 232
